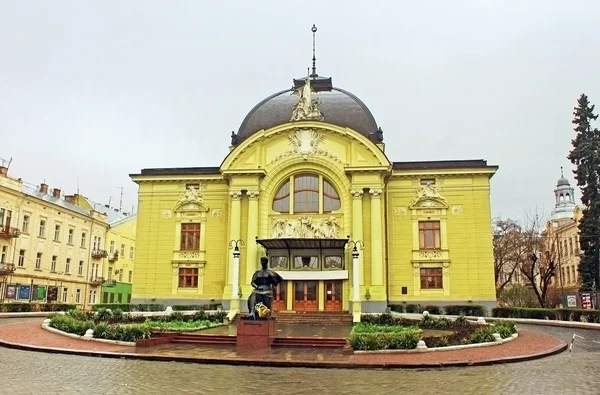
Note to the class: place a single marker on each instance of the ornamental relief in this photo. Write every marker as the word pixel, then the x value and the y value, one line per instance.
pixel 306 227
pixel 430 254
pixel 191 200
pixel 304 143
pixel 188 255
pixel 428 196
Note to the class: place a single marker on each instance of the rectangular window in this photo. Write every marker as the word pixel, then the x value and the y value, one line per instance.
pixel 121 275
pixel 5 217
pixel 25 226
pixel 130 252
pixel 432 278
pixel 53 263
pixel 188 278
pixel 68 265
pixel 21 258
pixel 190 237
pixel 38 260
pixel 111 298
pixel 83 239
pixel 80 268
pixel 112 246
pixel 429 235
pixel 3 255
pixel 42 228
pixel 65 295
pixel 119 298
pixel 109 273
pixel 130 276
pixel 57 232
pixel 123 250
pixel 78 296
pixel 71 232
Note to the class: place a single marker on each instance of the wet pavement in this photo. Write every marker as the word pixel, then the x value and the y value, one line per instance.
pixel 285 330
pixel 25 372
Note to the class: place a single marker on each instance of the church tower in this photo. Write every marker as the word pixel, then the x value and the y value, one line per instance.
pixel 564 195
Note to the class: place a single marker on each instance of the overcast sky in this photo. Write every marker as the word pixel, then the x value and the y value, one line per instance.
pixel 99 90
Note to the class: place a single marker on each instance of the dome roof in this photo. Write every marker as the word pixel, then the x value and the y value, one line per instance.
pixel 562 182
pixel 338 107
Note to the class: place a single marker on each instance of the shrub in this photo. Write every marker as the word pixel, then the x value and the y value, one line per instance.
pixel 517 295
pixel 429 322
pixel 406 339
pixel 69 324
pixel 129 307
pixel 460 321
pixel 177 316
pixel 219 316
pixel 443 342
pixel 397 308
pixel 484 334
pixel 199 316
pixel 468 310
pixel 431 309
pixel 515 312
pixel 413 308
pixel 81 315
pixel 504 328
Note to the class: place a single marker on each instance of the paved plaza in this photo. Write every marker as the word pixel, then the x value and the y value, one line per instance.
pixel 28 372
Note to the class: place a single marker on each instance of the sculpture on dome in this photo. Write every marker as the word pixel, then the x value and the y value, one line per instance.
pixel 306 108
pixel 234 138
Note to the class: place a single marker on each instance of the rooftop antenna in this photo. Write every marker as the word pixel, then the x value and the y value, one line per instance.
pixel 314 58
pixel 78 185
pixel 109 200
pixel 5 163
pixel 121 199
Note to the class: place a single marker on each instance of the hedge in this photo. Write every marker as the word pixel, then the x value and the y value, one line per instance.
pixel 29 307
pixel 548 314
pixel 468 309
pixel 129 307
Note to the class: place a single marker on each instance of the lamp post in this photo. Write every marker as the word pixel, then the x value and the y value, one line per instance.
pixel 235 281
pixel 356 245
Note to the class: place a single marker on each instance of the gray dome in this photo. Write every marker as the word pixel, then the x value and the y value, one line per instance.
pixel 562 182
pixel 339 107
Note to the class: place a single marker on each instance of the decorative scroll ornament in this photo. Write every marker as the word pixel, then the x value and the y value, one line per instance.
pixel 305 227
pixel 305 142
pixel 430 254
pixel 428 196
pixel 191 200
pixel 306 108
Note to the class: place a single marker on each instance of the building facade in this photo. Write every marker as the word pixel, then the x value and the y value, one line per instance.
pixel 46 250
pixel 118 272
pixel 307 183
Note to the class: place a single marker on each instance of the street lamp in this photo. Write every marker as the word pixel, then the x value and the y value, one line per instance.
pixel 236 245
pixel 356 245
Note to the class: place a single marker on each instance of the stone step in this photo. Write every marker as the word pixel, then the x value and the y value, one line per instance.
pixel 204 339
pixel 309 342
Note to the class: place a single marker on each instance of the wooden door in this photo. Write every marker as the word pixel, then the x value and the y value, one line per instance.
pixel 279 299
pixel 333 295
pixel 305 296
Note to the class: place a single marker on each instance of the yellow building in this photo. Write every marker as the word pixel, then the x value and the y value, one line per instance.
pixel 46 245
pixel 118 273
pixel 306 180
pixel 564 232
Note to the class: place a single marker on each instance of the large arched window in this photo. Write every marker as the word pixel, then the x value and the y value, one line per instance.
pixel 306 193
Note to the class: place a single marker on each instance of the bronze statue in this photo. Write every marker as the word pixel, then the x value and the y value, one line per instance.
pixel 263 282
pixel 234 138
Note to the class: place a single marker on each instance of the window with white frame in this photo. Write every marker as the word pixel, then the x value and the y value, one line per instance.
pixel 71 233
pixel 52 263
pixel 57 232
pixel 21 262
pixel 3 254
pixel 130 276
pixel 78 296
pixel 123 250
pixel 130 252
pixel 68 266
pixel 80 268
pixel 65 294
pixel 38 260
pixel 83 239
pixel 42 229
pixel 112 246
pixel 25 225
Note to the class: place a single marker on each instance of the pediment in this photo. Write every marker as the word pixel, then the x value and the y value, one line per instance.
pixel 191 201
pixel 191 207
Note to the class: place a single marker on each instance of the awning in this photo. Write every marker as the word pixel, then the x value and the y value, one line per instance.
pixel 313 244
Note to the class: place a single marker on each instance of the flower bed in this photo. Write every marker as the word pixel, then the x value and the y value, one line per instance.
pixel 115 325
pixel 385 332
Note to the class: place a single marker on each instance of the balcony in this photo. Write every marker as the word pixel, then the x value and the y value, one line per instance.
pixel 98 254
pixel 7 232
pixel 6 268
pixel 110 283
pixel 96 280
pixel 113 256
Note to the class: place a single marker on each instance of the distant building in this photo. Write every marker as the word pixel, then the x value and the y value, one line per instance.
pixel 118 273
pixel 52 246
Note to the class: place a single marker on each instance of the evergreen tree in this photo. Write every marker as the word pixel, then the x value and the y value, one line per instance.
pixel 586 156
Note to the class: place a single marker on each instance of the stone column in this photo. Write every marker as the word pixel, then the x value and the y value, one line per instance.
pixel 234 234
pixel 376 239
pixel 251 252
pixel 357 235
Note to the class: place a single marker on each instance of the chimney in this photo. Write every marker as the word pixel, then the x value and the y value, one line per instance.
pixel 56 193
pixel 70 199
pixel 107 206
pixel 44 188
pixel 3 171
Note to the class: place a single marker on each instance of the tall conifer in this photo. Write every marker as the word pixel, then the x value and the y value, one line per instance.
pixel 586 156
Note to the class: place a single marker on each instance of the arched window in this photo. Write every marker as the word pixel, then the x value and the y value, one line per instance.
pixel 306 193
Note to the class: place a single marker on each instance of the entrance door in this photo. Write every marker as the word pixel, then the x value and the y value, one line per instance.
pixel 333 295
pixel 305 296
pixel 279 299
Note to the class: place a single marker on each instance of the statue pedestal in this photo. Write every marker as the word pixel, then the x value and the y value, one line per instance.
pixel 255 334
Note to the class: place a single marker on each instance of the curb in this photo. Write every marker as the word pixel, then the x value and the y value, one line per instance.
pixel 283 364
pixel 27 314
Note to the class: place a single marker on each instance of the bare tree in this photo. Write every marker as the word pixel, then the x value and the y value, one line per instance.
pixel 539 264
pixel 509 251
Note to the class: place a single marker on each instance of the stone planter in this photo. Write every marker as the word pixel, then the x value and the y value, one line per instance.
pixel 255 334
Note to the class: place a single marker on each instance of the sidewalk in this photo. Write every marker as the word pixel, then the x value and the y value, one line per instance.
pixel 529 345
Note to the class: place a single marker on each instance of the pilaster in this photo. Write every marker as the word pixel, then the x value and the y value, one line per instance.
pixel 376 245
pixel 234 230
pixel 251 247
pixel 357 234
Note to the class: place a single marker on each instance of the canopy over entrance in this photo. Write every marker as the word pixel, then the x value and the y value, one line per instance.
pixel 302 244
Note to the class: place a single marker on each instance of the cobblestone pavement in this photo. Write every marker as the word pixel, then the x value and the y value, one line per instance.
pixel 25 372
